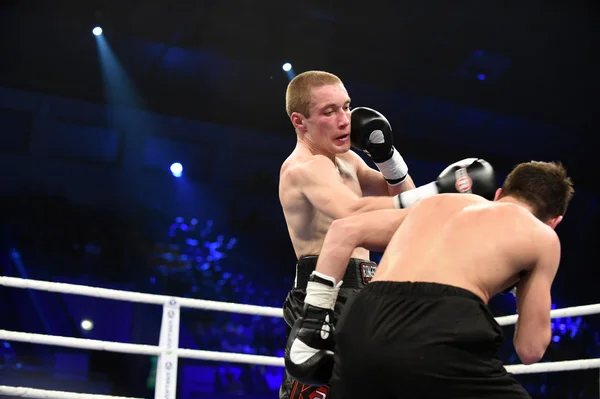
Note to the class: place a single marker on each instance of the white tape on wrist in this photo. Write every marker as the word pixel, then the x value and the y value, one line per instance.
pixel 407 198
pixel 321 295
pixel 394 170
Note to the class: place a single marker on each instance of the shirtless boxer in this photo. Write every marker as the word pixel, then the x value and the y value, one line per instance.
pixel 322 180
pixel 421 328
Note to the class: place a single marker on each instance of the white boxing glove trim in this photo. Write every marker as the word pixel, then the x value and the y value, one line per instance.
pixel 301 353
pixel 408 198
pixel 377 137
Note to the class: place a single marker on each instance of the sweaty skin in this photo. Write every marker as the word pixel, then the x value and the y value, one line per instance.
pixel 465 241
pixel 323 180
pixel 308 225
pixel 469 242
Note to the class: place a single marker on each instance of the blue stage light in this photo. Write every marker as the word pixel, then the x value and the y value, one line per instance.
pixel 177 169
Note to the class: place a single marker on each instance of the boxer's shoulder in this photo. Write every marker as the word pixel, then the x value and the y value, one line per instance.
pixel 520 224
pixel 546 237
pixel 353 161
pixel 306 168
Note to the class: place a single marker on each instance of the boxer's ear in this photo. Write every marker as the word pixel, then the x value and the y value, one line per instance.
pixel 554 222
pixel 298 122
pixel 498 194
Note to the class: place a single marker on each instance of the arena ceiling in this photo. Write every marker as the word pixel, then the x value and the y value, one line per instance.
pixel 220 61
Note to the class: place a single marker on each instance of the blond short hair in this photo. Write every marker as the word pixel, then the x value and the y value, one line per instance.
pixel 299 90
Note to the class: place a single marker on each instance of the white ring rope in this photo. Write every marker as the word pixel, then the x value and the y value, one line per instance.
pixel 550 367
pixel 231 357
pixel 256 310
pixel 138 349
pixel 233 308
pixel 246 358
pixel 22 392
pixel 584 310
pixel 80 343
pixel 139 297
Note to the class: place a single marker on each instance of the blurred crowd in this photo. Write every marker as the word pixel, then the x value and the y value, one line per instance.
pixel 203 263
pixel 164 255
pixel 193 258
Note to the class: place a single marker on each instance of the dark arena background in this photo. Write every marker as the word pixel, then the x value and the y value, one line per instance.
pixel 144 156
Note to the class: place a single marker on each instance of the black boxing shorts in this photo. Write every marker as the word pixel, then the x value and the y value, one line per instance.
pixel 358 274
pixel 420 340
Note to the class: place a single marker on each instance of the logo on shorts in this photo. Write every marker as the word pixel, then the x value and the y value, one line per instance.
pixel 320 393
pixel 367 271
pixel 463 181
pixel 303 391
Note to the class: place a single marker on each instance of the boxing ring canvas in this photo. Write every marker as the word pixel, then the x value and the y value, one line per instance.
pixel 168 350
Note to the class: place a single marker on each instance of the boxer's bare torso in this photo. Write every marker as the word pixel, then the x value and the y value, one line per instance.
pixel 323 179
pixel 307 226
pixel 466 241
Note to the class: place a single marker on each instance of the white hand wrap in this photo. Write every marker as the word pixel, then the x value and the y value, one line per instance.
pixel 394 170
pixel 321 295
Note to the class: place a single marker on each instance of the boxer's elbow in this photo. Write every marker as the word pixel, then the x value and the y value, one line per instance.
pixel 532 349
pixel 363 231
pixel 529 356
pixel 344 231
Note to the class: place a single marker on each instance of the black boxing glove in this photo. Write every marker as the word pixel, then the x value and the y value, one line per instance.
pixel 471 175
pixel 309 349
pixel 372 133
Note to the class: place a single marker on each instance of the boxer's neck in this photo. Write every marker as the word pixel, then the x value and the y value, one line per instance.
pixel 516 201
pixel 316 150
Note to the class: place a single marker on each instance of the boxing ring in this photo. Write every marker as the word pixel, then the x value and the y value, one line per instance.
pixel 168 350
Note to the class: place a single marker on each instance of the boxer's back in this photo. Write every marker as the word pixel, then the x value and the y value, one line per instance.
pixel 463 240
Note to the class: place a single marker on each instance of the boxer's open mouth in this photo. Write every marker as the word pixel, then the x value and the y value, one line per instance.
pixel 343 137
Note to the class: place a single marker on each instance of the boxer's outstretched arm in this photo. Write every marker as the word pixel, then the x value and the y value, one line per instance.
pixel 370 230
pixel 320 183
pixel 533 331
